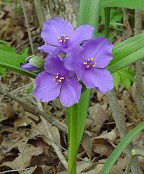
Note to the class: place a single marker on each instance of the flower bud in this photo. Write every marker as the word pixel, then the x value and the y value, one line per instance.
pixel 34 63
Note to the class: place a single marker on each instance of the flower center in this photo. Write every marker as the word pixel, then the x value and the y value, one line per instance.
pixel 58 78
pixel 64 40
pixel 90 63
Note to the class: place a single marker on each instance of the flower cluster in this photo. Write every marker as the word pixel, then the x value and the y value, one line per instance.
pixel 73 57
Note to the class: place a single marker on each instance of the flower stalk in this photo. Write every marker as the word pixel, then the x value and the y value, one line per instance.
pixel 73 140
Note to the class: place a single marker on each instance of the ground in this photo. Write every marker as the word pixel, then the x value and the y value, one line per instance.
pixel 24 146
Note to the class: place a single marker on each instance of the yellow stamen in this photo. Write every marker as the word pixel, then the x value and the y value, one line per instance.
pixel 92 58
pixel 85 63
pixel 88 59
pixel 94 65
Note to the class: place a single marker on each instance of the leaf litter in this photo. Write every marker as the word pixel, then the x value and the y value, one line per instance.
pixel 24 146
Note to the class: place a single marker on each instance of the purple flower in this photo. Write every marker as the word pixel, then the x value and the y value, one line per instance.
pixel 56 81
pixel 29 66
pixel 90 61
pixel 59 33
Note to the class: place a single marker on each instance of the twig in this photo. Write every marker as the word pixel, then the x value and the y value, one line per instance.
pixel 27 26
pixel 27 40
pixel 121 124
pixel 50 136
pixel 139 69
pixel 50 119
pixel 21 87
pixel 15 170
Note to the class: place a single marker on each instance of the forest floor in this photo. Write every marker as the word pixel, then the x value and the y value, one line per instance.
pixel 24 148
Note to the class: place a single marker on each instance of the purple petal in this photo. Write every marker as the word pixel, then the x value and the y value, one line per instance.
pixel 70 92
pixel 54 28
pixel 47 48
pixel 98 78
pixel 99 48
pixel 51 49
pixel 46 89
pixel 82 33
pixel 29 67
pixel 74 60
pixel 54 65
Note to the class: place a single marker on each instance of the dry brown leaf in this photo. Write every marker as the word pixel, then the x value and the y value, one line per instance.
pixel 102 146
pixel 55 133
pixel 116 170
pixel 20 122
pixel 98 113
pixel 87 145
pixel 24 158
pixel 6 109
pixel 28 171
pixel 12 141
pixel 122 162
pixel 109 135
pixel 39 129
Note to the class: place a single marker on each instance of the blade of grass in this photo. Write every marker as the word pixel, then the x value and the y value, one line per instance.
pixel 132 4
pixel 120 148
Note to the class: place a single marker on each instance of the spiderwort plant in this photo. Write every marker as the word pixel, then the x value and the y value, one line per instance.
pixel 74 59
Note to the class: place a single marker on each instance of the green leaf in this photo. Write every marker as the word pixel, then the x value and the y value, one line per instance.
pixel 116 76
pixel 132 4
pixel 76 123
pixel 6 47
pixel 127 52
pixel 120 148
pixel 31 88
pixel 124 77
pixel 13 61
pixel 3 72
pixel 25 52
pixel 4 42
pixel 89 13
pixel 125 80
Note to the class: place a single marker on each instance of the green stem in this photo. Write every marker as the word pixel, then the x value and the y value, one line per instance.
pixel 73 132
pixel 107 21
pixel 89 14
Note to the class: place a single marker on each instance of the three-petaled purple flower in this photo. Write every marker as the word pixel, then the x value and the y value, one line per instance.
pixel 89 62
pixel 59 35
pixel 56 81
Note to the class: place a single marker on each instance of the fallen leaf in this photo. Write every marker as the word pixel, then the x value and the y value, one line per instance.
pixel 102 146
pixel 87 145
